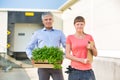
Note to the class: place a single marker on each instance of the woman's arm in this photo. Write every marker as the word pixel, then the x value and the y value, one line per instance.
pixel 71 57
pixel 93 48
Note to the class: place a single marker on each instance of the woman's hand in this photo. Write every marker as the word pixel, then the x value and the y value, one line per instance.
pixel 90 45
pixel 85 61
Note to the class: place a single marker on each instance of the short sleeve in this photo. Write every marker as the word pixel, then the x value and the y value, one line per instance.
pixel 68 41
pixel 90 38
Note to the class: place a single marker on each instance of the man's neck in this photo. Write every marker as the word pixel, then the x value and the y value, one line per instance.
pixel 48 28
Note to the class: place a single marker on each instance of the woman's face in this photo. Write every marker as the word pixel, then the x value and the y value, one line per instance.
pixel 79 26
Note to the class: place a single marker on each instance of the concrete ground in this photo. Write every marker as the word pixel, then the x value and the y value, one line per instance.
pixel 102 65
pixel 27 73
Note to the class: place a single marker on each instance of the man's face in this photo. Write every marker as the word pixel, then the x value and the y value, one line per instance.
pixel 48 21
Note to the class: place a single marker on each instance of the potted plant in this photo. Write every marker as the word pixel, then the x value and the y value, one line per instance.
pixel 48 55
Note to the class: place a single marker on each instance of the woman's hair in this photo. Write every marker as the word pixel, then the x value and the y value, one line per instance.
pixel 79 19
pixel 46 13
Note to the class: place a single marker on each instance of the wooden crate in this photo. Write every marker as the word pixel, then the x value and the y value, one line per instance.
pixel 44 64
pixel 41 65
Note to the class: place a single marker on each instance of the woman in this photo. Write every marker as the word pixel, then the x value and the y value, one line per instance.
pixel 77 43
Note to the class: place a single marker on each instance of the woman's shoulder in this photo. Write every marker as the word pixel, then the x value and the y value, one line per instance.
pixel 88 35
pixel 71 35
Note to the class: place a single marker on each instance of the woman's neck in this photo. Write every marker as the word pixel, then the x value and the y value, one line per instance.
pixel 80 35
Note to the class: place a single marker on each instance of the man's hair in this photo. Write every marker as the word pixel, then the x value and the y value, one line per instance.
pixel 79 19
pixel 46 13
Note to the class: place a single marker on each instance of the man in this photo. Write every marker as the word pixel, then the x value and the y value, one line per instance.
pixel 47 37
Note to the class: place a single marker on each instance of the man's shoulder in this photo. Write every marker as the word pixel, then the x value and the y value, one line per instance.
pixel 57 30
pixel 38 31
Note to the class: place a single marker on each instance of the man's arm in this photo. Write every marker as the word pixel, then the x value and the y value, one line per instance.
pixel 63 39
pixel 31 46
